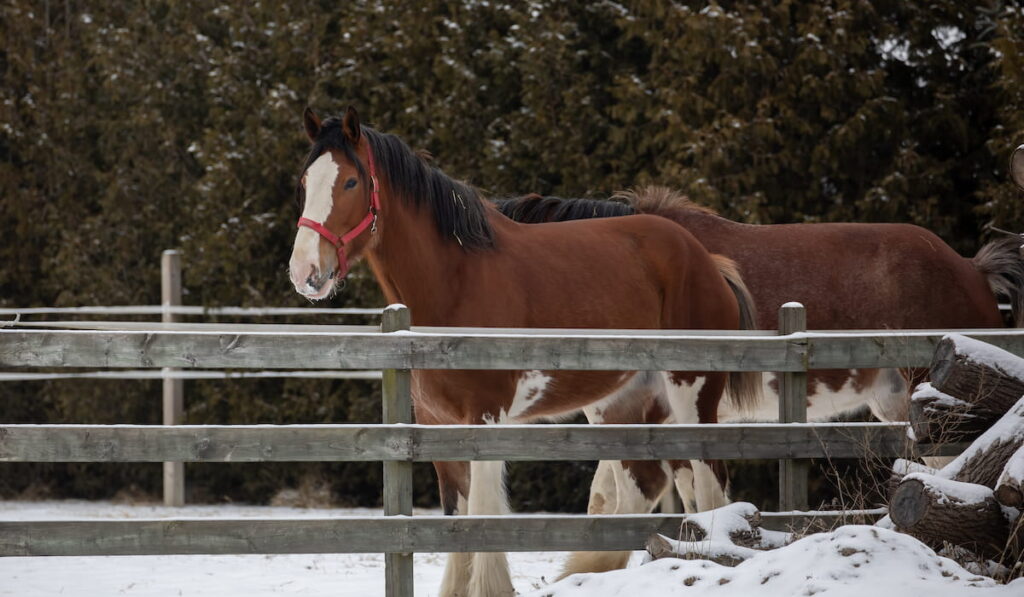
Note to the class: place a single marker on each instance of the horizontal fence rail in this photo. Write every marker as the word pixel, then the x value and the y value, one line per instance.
pixel 426 443
pixel 193 374
pixel 192 310
pixel 363 534
pixel 687 350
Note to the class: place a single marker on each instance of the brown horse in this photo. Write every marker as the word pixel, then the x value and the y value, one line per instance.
pixel 849 276
pixel 436 246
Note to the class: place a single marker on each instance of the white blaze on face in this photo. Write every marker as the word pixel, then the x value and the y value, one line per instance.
pixel 319 182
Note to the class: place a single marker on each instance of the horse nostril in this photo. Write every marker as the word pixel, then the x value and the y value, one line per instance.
pixel 314 280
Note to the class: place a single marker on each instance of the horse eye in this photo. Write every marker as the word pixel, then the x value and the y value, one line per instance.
pixel 350 183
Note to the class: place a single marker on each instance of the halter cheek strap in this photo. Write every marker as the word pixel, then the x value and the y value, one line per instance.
pixel 368 221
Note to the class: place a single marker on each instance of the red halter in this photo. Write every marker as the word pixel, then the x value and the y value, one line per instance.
pixel 370 220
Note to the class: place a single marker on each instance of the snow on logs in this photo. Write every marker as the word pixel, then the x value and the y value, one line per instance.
pixel 976 393
pixel 726 536
pixel 972 384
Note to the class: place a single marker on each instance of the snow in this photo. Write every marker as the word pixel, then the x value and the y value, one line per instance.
pixel 1014 468
pixel 962 493
pixel 224 576
pixel 986 354
pixel 852 561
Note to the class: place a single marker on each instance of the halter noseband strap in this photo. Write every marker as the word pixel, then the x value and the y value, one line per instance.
pixel 368 221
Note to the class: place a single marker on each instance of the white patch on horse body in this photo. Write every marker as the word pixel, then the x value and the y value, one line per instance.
pixel 320 178
pixel 682 398
pixel 529 389
pixel 884 395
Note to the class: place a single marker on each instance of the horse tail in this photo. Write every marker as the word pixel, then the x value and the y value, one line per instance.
pixel 743 387
pixel 1002 264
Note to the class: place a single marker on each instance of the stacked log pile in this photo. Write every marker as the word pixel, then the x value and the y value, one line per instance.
pixel 976 394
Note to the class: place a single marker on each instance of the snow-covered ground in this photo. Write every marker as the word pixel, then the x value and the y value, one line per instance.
pixel 336 575
pixel 854 561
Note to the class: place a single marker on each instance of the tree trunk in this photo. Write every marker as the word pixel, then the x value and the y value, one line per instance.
pixel 935 510
pixel 1010 485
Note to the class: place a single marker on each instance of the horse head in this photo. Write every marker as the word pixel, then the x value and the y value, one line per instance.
pixel 339 199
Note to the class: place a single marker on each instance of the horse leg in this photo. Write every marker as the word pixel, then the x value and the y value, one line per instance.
pixel 489 573
pixel 602 489
pixel 682 474
pixel 636 485
pixel 694 398
pixel 453 483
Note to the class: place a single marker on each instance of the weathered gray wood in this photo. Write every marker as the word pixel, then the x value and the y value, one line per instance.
pixel 83 348
pixel 793 409
pixel 173 388
pixel 902 348
pixel 396 407
pixel 334 443
pixel 389 534
pixel 687 351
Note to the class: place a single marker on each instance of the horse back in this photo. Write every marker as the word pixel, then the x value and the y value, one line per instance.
pixel 852 276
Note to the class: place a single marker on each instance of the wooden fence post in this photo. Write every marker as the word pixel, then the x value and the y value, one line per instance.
pixel 793 409
pixel 174 389
pixel 397 408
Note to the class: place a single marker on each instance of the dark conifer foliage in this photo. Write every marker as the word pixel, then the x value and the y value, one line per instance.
pixel 127 128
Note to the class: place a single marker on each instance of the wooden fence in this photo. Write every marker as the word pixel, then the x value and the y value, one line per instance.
pixel 398 443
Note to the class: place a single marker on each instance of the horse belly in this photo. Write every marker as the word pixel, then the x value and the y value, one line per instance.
pixel 831 394
pixel 546 394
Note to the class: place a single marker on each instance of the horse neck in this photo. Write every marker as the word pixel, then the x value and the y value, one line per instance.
pixel 414 265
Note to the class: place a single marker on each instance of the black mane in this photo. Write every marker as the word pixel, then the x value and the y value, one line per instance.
pixel 458 211
pixel 535 209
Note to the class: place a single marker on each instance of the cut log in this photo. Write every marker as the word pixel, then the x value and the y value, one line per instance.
pixel 990 378
pixel 936 510
pixel 1010 485
pixel 939 418
pixel 983 461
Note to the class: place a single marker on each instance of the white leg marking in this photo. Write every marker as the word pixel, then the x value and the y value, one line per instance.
pixel 629 499
pixel 709 493
pixel 489 575
pixel 684 485
pixel 457 567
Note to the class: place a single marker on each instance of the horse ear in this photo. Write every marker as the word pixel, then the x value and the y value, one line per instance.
pixel 1017 166
pixel 312 123
pixel 350 125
